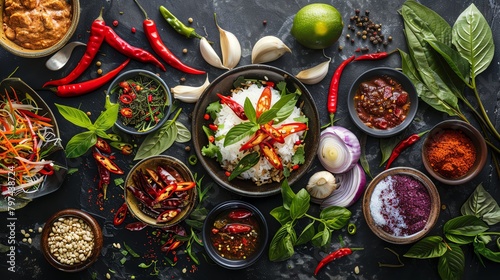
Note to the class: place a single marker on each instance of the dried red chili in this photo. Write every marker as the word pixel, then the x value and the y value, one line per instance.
pixel 333 90
pixel 168 215
pixel 120 214
pixel 166 192
pixel 104 179
pixel 107 163
pixel 398 149
pixel 159 47
pixel 233 105
pixel 137 226
pixel 331 257
pixel 240 214
pixel 236 228
pixel 97 34
pixel 374 56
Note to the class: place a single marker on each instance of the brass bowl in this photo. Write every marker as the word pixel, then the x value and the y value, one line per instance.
pixel 97 236
pixel 28 53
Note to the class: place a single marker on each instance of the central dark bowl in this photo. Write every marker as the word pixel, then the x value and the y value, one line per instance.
pixel 223 84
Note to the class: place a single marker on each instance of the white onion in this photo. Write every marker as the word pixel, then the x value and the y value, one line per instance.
pixel 339 149
pixel 352 185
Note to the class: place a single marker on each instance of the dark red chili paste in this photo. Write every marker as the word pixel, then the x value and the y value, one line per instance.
pixel 400 205
pixel 235 237
pixel 381 103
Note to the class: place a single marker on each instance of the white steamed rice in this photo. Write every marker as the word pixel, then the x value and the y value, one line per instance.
pixel 263 172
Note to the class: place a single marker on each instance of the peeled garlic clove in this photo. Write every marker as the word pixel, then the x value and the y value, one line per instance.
pixel 230 48
pixel 208 53
pixel 189 94
pixel 315 74
pixel 267 49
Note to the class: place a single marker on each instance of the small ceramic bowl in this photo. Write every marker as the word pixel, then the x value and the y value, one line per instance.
pixel 172 165
pixel 218 225
pixel 401 205
pixel 224 84
pixel 90 232
pixel 479 145
pixel 29 53
pixel 127 97
pixel 374 129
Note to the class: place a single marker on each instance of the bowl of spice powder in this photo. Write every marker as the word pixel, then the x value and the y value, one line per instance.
pixel 401 205
pixel 454 152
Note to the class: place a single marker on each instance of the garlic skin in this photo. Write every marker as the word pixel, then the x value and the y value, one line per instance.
pixel 321 184
pixel 189 94
pixel 208 53
pixel 230 48
pixel 268 48
pixel 315 74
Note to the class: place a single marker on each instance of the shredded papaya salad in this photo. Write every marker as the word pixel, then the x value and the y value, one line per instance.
pixel 27 137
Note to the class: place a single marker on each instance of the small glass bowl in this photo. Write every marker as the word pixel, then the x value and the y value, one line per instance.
pixel 208 226
pixel 435 205
pixel 473 134
pixel 97 236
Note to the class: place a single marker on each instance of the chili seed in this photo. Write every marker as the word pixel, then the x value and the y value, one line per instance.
pixel 98 63
pixel 184 50
pixel 108 276
pixel 88 113
pixel 356 269
pixel 99 71
pixel 190 20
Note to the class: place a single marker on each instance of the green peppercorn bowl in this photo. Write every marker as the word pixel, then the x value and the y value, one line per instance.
pixel 48 244
pixel 142 109
pixel 413 200
pixel 478 143
pixel 259 233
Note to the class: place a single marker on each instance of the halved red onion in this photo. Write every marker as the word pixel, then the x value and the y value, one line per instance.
pixel 339 149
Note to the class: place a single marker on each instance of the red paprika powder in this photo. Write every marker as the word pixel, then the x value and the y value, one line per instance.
pixel 451 153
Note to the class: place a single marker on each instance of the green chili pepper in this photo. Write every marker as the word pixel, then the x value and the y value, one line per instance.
pixel 192 159
pixel 351 229
pixel 180 27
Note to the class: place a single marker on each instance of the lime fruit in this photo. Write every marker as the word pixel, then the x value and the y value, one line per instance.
pixel 317 26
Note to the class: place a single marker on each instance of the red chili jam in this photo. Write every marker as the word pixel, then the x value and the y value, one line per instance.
pixel 400 205
pixel 235 234
pixel 381 103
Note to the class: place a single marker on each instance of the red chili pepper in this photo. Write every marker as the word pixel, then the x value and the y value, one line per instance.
pixel 405 143
pixel 165 176
pixel 233 105
pixel 240 214
pixel 136 226
pixel 184 186
pixel 213 127
pixel 127 149
pixel 120 214
pixel 166 192
pixel 259 136
pixel 264 102
pixel 117 43
pixel 125 99
pixel 103 145
pixel 274 133
pixel 331 257
pixel 47 169
pixel 206 117
pixel 374 56
pixel 107 163
pixel 34 115
pixel 141 196
pixel 271 155
pixel 167 215
pixel 159 47
pixel 290 128
pixel 97 34
pixel 236 228
pixel 70 90
pixel 104 179
pixel 126 112
pixel 333 90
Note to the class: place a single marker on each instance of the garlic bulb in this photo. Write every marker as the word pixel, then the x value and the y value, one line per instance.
pixel 189 94
pixel 321 184
pixel 315 74
pixel 208 53
pixel 268 48
pixel 230 48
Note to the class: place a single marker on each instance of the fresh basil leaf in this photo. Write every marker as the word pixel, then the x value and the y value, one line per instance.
pixel 107 119
pixel 322 237
pixel 306 235
pixel 300 204
pixel 482 205
pixel 473 39
pixel 281 214
pixel 281 246
pixel 481 249
pixel 428 247
pixel 457 63
pixel 468 225
pixel 80 143
pixel 74 116
pixel 101 133
pixel 247 162
pixel 280 110
pixel 238 132
pixel 158 141
pixel 183 133
pixel 335 217
pixel 249 111
pixel 451 265
pixel 287 194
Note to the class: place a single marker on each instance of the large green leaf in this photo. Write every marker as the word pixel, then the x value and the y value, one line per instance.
pixel 80 143
pixel 482 205
pixel 465 226
pixel 300 204
pixel 107 119
pixel 335 217
pixel 75 116
pixel 452 264
pixel 429 247
pixel 421 17
pixel 306 235
pixel 239 131
pixel 473 39
pixel 457 63
pixel 281 246
pixel 158 141
pixel 281 214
